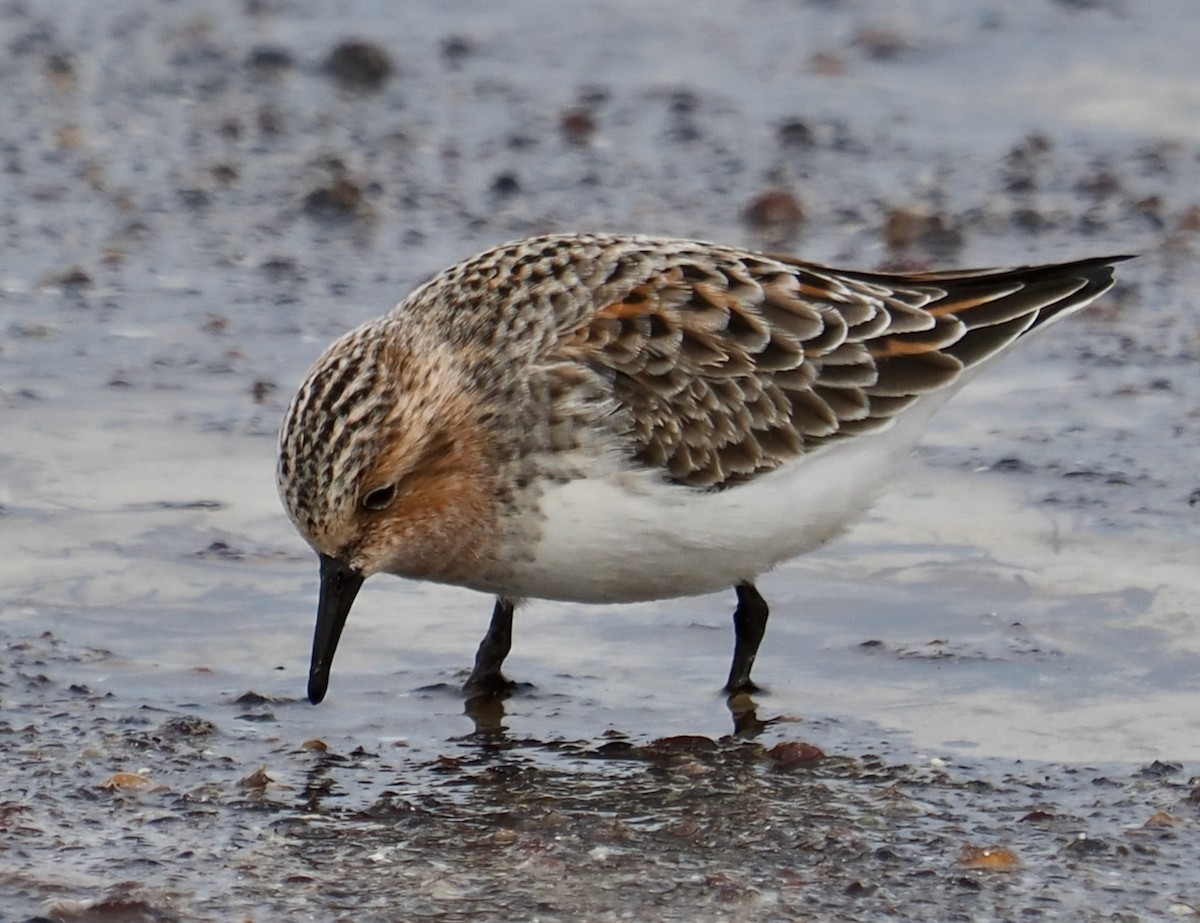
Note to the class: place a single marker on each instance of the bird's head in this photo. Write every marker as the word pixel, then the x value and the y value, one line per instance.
pixel 385 465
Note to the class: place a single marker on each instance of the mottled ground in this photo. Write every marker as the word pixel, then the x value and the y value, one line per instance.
pixel 982 702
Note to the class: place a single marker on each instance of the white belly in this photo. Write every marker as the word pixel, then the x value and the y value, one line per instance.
pixel 624 536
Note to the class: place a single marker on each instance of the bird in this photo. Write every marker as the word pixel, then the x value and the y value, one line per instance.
pixel 605 418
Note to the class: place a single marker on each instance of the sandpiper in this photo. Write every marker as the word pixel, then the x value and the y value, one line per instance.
pixel 603 418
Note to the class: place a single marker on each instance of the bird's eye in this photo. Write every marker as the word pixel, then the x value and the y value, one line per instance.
pixel 379 498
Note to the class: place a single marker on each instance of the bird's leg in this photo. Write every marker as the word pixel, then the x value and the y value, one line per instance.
pixel 486 678
pixel 749 624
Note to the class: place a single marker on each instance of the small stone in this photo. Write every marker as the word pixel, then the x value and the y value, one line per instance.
pixel 577 125
pixel 792 754
pixel 774 208
pixel 989 858
pixel 359 65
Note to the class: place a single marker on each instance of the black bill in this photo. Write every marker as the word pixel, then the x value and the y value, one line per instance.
pixel 339 586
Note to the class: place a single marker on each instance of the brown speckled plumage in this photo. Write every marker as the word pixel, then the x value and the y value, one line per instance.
pixel 566 359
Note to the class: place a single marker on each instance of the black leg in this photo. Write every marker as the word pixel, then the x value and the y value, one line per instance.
pixel 486 678
pixel 749 624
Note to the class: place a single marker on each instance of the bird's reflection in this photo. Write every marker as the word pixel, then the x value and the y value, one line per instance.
pixel 744 711
pixel 487 713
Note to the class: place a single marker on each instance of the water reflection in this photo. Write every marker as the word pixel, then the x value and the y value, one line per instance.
pixel 487 713
pixel 744 711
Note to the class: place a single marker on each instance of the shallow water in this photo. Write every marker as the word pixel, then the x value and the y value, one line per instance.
pixel 1004 654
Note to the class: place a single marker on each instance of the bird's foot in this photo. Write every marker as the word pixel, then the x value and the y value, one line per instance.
pixel 743 686
pixel 488 684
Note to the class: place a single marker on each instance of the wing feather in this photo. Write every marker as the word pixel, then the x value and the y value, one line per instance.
pixel 726 364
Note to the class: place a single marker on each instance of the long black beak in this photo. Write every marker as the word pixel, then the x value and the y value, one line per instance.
pixel 339 586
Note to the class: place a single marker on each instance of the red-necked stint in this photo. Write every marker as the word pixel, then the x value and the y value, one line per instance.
pixel 607 419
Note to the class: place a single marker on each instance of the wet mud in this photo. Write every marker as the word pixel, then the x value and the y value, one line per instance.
pixel 154 813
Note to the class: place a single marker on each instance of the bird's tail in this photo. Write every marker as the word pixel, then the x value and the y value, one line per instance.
pixel 993 306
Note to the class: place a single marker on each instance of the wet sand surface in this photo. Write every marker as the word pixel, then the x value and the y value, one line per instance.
pixel 982 701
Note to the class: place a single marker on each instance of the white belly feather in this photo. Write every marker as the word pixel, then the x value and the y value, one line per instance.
pixel 626 535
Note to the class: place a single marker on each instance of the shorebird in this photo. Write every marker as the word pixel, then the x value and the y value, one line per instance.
pixel 602 419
